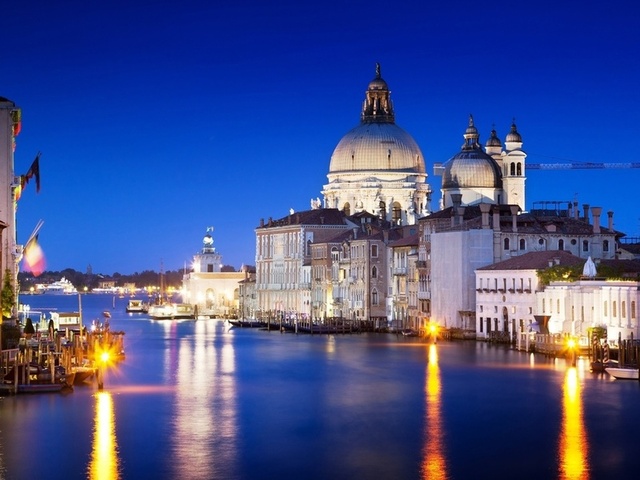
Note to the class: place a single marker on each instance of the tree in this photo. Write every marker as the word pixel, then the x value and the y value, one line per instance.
pixel 7 295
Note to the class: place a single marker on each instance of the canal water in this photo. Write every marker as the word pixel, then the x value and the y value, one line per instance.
pixel 203 400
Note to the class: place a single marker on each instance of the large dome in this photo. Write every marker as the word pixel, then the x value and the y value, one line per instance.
pixel 377 146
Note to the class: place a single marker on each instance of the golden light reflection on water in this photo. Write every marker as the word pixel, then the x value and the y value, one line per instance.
pixel 105 464
pixel 434 464
pixel 574 445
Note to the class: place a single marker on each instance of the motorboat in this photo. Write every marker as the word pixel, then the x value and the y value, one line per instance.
pixel 136 306
pixel 623 372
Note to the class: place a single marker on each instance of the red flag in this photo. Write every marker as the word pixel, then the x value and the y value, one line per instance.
pixel 34 171
pixel 34 257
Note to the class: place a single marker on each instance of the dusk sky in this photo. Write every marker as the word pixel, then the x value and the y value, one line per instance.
pixel 157 119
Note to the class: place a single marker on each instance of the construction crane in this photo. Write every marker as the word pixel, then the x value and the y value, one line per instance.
pixel 438 168
pixel 580 165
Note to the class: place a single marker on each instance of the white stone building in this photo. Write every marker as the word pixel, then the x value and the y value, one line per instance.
pixel 573 307
pixel 283 259
pixel 213 291
pixel 506 292
pixel 377 166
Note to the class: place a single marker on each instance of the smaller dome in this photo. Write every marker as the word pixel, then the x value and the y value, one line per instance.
pixel 471 167
pixel 513 135
pixel 378 83
pixel 471 129
pixel 493 140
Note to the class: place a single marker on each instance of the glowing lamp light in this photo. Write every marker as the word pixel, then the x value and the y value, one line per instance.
pixel 104 357
pixel 571 343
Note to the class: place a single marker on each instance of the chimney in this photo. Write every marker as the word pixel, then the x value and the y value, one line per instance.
pixel 585 207
pixel 496 219
pixel 485 208
pixel 262 222
pixel 460 214
pixel 576 212
pixel 355 233
pixel 596 212
pixel 514 218
pixel 610 224
pixel 385 236
pixel 456 199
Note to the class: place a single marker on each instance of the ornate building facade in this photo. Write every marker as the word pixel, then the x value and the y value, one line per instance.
pixel 377 166
pixel 215 292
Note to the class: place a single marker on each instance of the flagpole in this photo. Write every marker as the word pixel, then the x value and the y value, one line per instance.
pixel 35 231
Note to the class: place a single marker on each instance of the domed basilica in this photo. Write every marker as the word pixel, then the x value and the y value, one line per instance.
pixel 377 166
pixel 491 175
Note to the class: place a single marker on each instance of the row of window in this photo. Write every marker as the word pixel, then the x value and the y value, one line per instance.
pixel 614 308
pixel 522 244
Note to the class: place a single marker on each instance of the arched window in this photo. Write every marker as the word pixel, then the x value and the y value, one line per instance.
pixel 523 244
pixel 513 169
pixel 374 297
pixel 561 244
pixel 396 215
pixel 506 244
pixel 374 272
pixel 605 245
pixel 585 245
pixel 347 209
pixel 519 169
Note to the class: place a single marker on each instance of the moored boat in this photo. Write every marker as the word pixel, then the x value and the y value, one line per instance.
pixel 136 306
pixel 623 372
pixel 83 374
pixel 161 312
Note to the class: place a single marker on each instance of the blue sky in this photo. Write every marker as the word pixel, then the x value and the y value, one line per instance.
pixel 157 119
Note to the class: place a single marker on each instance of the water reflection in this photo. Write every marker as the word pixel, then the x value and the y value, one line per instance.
pixel 574 446
pixel 434 462
pixel 105 464
pixel 205 423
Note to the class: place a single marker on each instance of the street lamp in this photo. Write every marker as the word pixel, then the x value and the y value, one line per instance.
pixel 433 331
pixel 571 345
